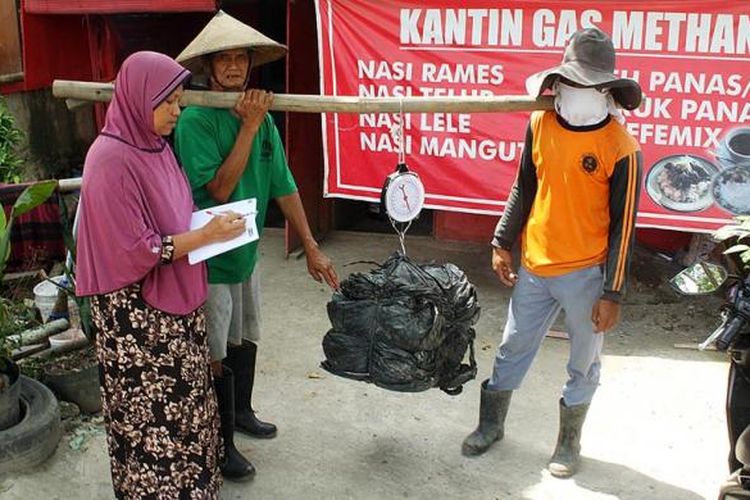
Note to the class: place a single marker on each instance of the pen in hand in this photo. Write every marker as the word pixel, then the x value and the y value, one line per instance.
pixel 241 216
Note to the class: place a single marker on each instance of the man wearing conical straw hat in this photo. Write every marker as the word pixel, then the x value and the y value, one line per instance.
pixel 232 155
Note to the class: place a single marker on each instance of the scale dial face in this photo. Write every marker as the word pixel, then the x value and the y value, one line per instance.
pixel 404 197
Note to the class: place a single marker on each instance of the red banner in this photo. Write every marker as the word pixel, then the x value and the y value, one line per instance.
pixel 691 58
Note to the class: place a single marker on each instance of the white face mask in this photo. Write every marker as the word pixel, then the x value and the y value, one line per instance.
pixel 582 107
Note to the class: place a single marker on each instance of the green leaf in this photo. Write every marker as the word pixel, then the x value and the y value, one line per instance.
pixel 737 249
pixel 87 322
pixel 3 220
pixel 726 232
pixel 33 196
pixel 4 247
pixel 10 139
pixel 67 228
pixel 77 442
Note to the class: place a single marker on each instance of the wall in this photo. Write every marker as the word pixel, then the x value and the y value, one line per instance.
pixel 56 139
pixel 303 139
pixel 11 64
pixel 53 47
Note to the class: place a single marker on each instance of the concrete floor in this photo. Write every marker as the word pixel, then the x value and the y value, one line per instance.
pixel 655 430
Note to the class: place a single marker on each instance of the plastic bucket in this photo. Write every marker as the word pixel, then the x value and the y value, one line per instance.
pixel 45 296
pixel 67 340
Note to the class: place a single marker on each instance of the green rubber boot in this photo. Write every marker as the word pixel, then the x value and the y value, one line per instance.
pixel 567 457
pixel 493 408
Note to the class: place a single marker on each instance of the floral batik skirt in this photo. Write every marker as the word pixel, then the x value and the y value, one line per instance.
pixel 158 399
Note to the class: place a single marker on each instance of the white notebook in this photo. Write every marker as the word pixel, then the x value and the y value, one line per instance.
pixel 202 217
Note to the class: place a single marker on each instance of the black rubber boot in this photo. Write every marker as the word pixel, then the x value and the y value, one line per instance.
pixel 493 408
pixel 234 467
pixel 564 462
pixel 241 359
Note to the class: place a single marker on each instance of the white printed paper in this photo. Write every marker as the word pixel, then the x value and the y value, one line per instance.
pixel 247 208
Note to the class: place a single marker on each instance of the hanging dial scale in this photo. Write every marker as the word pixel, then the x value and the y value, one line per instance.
pixel 402 196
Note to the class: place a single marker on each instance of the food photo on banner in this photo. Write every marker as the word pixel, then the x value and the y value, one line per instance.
pixel 692 60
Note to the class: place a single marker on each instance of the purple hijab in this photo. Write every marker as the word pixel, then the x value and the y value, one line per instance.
pixel 134 193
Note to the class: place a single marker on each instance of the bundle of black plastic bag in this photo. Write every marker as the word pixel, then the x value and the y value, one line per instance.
pixel 404 327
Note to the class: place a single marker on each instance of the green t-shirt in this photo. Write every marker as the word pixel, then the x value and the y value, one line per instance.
pixel 204 137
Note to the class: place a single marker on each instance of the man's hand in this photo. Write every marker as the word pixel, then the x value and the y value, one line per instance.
pixel 318 264
pixel 321 268
pixel 502 264
pixel 604 315
pixel 252 106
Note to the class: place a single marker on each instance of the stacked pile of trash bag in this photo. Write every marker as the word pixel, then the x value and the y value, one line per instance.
pixel 404 327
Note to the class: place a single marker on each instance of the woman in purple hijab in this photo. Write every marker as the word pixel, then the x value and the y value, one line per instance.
pixel 146 299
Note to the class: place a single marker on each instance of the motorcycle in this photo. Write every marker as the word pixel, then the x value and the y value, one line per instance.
pixel 732 336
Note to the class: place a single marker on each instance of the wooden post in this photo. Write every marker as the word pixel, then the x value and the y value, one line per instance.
pixel 68 185
pixel 78 92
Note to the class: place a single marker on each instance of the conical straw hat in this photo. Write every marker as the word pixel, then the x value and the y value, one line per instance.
pixel 224 32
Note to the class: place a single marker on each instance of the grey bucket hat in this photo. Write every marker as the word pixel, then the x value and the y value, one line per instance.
pixel 589 60
pixel 223 32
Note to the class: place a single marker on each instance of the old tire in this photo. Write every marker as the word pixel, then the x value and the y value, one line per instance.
pixel 32 440
pixel 10 397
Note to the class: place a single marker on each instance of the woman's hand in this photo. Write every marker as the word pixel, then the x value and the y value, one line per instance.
pixel 224 227
pixel 221 227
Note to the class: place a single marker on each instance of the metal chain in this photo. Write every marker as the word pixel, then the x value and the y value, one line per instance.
pixel 397 134
pixel 401 232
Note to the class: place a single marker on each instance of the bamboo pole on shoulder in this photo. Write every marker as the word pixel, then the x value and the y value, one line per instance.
pixel 77 92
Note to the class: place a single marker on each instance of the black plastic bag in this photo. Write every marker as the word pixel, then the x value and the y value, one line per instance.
pixel 404 327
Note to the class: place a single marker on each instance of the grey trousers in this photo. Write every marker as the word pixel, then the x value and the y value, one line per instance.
pixel 535 304
pixel 232 314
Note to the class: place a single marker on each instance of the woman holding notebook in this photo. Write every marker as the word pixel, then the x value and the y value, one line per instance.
pixel 146 299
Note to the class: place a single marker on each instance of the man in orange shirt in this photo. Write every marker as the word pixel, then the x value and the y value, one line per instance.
pixel 573 205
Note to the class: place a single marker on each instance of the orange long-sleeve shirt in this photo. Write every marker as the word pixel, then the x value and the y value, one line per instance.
pixel 575 199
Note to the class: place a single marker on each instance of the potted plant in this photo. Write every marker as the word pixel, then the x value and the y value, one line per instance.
pixel 74 376
pixel 10 139
pixel 31 197
pixel 10 389
pixel 15 316
pixel 737 234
